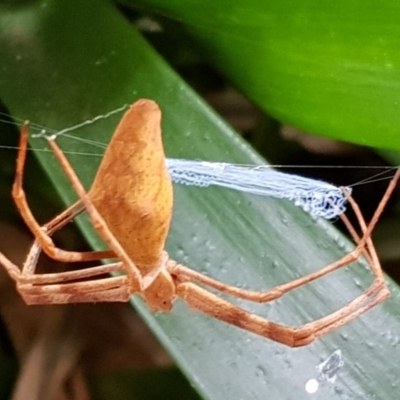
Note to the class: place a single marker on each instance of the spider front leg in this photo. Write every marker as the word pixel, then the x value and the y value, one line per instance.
pixel 364 246
pixel 203 301
pixel 111 289
pixel 210 304
pixel 55 289
pixel 257 296
pixel 67 287
pixel 38 231
pixel 207 303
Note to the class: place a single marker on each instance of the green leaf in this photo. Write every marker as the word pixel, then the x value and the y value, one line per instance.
pixel 329 68
pixel 66 62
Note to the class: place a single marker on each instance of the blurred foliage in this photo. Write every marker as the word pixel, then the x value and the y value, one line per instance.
pixel 329 68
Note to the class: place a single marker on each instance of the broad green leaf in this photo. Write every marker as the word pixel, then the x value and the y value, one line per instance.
pixel 66 62
pixel 329 68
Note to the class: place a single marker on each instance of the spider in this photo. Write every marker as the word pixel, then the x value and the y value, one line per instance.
pixel 130 205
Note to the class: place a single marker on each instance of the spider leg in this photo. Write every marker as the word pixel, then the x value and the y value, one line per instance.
pixel 113 289
pixel 203 301
pixel 375 264
pixel 364 246
pixel 257 296
pixel 53 289
pixel 28 277
pixel 40 232
pixel 11 268
pixel 207 303
pixel 59 277
pixel 372 254
pixel 357 239
pixel 375 294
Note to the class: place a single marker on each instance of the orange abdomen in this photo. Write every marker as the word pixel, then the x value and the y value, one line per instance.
pixel 132 189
